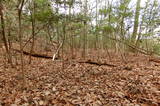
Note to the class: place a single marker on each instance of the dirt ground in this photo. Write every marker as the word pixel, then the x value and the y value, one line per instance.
pixel 133 81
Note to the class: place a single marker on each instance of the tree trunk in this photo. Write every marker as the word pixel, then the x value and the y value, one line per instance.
pixel 21 3
pixel 85 31
pixel 136 22
pixel 33 31
pixel 4 35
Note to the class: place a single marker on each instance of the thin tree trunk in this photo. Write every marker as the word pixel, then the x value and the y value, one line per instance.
pixel 33 31
pixel 70 33
pixel 21 3
pixel 136 22
pixel 4 35
pixel 85 32
pixel 57 29
pixel 63 37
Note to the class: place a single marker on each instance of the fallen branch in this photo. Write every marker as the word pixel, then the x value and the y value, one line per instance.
pixel 53 58
pixel 97 63
pixel 34 54
pixel 156 60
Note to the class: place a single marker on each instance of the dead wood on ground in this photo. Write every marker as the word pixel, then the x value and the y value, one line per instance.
pixel 34 54
pixel 154 60
pixel 97 63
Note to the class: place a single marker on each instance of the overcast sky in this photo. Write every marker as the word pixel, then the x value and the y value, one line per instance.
pixel 101 3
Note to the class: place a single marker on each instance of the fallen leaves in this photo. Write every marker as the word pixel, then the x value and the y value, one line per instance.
pixel 134 83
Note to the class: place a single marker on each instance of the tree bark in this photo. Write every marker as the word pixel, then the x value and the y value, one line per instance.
pixel 21 3
pixel 33 31
pixel 85 31
pixel 4 34
pixel 136 22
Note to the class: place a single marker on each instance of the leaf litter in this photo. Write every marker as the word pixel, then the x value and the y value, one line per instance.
pixel 135 83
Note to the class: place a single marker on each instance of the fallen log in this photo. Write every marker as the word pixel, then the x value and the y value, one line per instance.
pixel 34 54
pixel 97 63
pixel 156 60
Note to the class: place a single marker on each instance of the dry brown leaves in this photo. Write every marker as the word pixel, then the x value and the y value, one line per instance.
pixel 134 83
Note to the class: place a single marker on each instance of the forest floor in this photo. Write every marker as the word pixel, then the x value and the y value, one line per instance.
pixel 135 82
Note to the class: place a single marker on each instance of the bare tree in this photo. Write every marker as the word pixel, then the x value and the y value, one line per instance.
pixel 33 29
pixel 85 31
pixel 20 7
pixel 4 34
